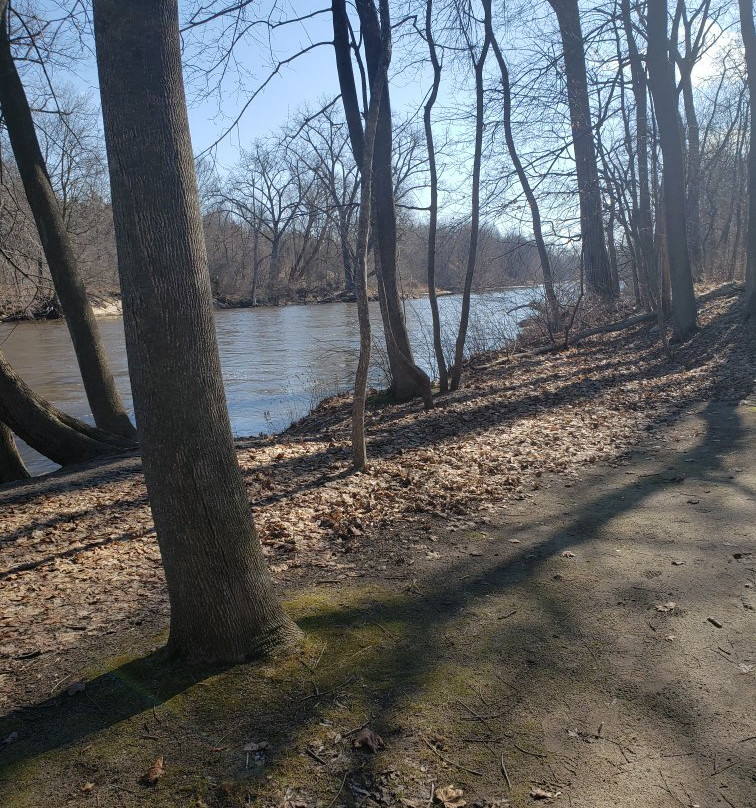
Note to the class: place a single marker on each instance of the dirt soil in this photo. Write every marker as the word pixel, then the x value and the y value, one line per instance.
pixel 563 627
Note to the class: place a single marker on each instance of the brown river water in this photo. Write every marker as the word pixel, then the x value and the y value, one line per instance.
pixel 277 362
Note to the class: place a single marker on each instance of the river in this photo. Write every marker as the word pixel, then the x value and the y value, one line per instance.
pixel 277 362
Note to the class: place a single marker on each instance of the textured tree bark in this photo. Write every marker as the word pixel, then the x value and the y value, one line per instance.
pixel 408 380
pixel 552 304
pixel 223 606
pixel 661 81
pixel 438 348
pixel 749 40
pixel 595 258
pixel 102 394
pixel 12 467
pixel 51 432
pixel 472 251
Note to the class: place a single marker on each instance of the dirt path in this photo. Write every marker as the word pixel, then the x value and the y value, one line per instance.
pixel 541 639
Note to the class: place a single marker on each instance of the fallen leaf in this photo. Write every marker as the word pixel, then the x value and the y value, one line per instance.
pixel 666 607
pixel 252 746
pixel 450 797
pixel 542 794
pixel 87 787
pixel 367 739
pixel 155 772
pixel 568 554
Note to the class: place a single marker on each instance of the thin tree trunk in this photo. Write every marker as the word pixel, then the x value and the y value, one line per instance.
pixel 50 431
pixel 359 447
pixel 472 253
pixel 661 80
pixel 749 40
pixel 595 258
pixel 443 375
pixel 644 220
pixel 102 394
pixel 223 604
pixel 693 174
pixel 12 467
pixel 408 380
pixel 552 304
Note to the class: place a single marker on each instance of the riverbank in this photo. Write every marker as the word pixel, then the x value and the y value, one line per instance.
pixel 518 590
pixel 111 306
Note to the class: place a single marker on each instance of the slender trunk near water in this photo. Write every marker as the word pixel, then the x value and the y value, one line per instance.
pixel 359 447
pixel 102 394
pixel 408 380
pixel 223 605
pixel 595 258
pixel 443 375
pixel 51 432
pixel 749 40
pixel 472 253
pixel 552 304
pixel 12 467
pixel 662 83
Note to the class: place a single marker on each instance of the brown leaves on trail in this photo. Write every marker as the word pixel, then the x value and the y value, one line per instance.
pixel 367 739
pixel 80 560
pixel 669 606
pixel 155 772
pixel 449 797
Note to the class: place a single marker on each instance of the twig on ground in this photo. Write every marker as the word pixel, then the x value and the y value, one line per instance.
pixel 506 773
pixel 449 761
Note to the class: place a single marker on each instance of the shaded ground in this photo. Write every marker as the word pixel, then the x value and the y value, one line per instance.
pixel 561 635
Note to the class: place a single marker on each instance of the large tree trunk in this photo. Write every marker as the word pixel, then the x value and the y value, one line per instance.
pixel 102 394
pixel 51 432
pixel 472 251
pixel 662 83
pixel 443 375
pixel 749 40
pixel 552 304
pixel 595 257
pixel 408 380
pixel 12 467
pixel 223 605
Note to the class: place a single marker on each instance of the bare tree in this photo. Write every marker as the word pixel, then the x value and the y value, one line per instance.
pixel 223 605
pixel 594 254
pixel 103 396
pixel 749 40
pixel 407 380
pixel 662 84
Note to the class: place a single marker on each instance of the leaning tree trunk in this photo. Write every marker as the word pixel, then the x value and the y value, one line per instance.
pixel 51 432
pixel 552 304
pixel 749 40
pixel 595 257
pixel 443 374
pixel 102 394
pixel 662 83
pixel 223 605
pixel 12 467
pixel 472 251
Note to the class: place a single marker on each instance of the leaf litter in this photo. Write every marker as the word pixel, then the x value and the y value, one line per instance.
pixel 80 559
